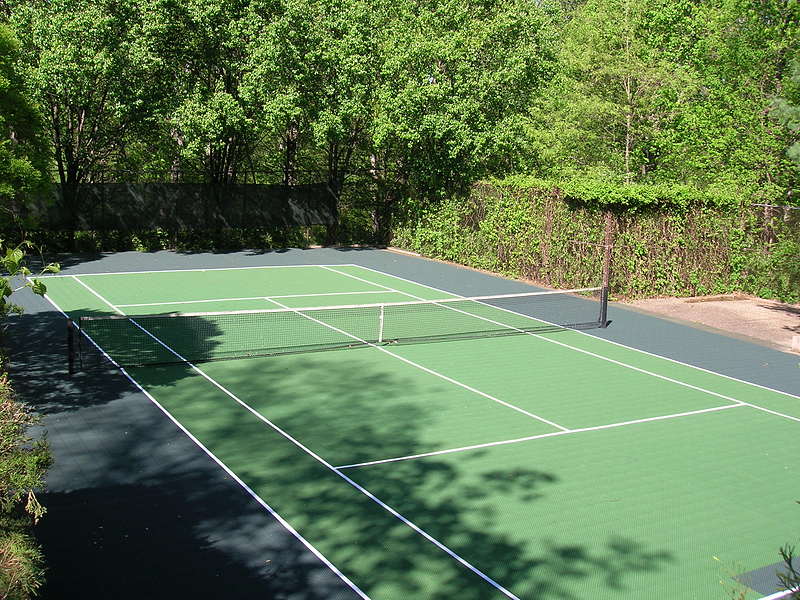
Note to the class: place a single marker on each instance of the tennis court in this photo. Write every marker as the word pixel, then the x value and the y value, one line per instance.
pixel 427 446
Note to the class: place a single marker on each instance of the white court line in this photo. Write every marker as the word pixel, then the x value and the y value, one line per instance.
pixel 225 468
pixel 416 302
pixel 605 358
pixel 540 436
pixel 621 345
pixel 382 349
pixel 323 462
pixel 114 307
pixel 779 595
pixel 197 270
pixel 422 368
pixel 442 303
pixel 251 298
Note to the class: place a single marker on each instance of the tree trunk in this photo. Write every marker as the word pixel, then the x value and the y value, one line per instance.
pixel 290 154
pixel 628 144
pixel 385 198
pixel 628 83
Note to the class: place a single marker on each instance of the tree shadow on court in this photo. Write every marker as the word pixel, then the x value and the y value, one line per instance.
pixel 354 409
pixel 130 541
pixel 36 261
pixel 38 349
pixel 134 504
pixel 38 360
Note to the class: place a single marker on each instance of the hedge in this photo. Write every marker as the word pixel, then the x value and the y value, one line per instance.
pixel 667 240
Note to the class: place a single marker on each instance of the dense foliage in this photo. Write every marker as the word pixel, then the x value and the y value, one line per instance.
pixel 657 107
pixel 667 240
pixel 787 110
pixel 24 459
pixel 22 147
pixel 419 96
pixel 23 463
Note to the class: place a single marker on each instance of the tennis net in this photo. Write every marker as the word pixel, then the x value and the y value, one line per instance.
pixel 153 339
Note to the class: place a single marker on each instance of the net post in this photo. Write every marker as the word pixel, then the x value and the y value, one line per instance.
pixel 71 346
pixel 604 307
pixel 380 326
pixel 608 243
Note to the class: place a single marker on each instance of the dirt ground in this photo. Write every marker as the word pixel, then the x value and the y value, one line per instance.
pixel 767 322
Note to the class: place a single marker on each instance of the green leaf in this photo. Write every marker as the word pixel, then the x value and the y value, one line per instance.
pixel 12 260
pixel 38 287
pixel 5 287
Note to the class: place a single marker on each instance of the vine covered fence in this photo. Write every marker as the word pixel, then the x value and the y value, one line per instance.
pixel 666 241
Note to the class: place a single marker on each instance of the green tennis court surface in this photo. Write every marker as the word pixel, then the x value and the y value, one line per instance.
pixel 545 464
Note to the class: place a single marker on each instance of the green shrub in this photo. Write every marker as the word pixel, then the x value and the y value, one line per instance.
pixel 669 240
pixel 23 459
pixel 23 464
pixel 21 566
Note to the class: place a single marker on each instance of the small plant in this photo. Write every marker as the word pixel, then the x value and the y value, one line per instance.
pixel 12 262
pixel 734 589
pixel 23 460
pixel 23 464
pixel 21 562
pixel 790 579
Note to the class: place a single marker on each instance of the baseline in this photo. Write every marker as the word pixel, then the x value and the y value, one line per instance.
pixel 196 270
pixel 248 298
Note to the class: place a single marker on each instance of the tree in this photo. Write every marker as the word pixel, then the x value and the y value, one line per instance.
pixel 790 578
pixel 738 51
pixel 347 65
pixel 787 111
pixel 12 261
pixel 455 81
pixel 313 70
pixel 214 122
pixel 89 65
pixel 23 154
pixel 23 464
pixel 616 89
